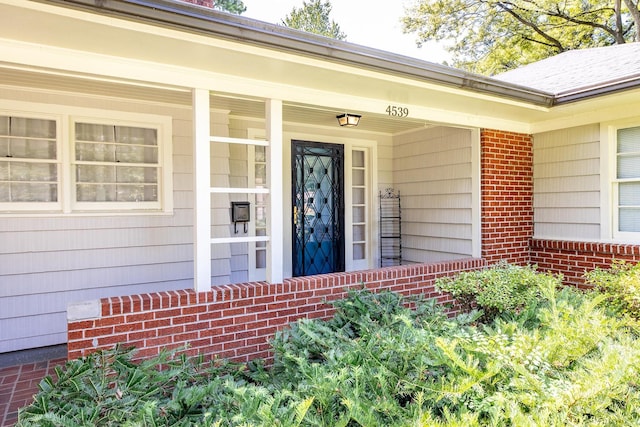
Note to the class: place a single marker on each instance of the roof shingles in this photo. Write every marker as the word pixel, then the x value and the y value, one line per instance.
pixel 578 70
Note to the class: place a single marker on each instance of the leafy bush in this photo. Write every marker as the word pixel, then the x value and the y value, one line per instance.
pixel 108 389
pixel 369 362
pixel 501 289
pixel 562 362
pixel 577 369
pixel 621 286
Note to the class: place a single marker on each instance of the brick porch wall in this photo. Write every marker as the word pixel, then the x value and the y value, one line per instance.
pixel 573 259
pixel 234 321
pixel 507 196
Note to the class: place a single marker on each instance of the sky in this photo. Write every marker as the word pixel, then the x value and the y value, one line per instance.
pixel 372 23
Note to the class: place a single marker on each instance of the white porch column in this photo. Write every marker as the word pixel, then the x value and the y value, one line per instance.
pixel 201 191
pixel 275 247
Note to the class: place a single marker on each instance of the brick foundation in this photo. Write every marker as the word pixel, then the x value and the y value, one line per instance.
pixel 236 321
pixel 507 196
pixel 573 259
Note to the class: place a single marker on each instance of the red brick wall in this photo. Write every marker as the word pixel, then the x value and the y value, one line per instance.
pixel 573 259
pixel 507 196
pixel 236 321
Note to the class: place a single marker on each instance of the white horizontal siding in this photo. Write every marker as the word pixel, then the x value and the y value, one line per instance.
pixel 575 135
pixel 440 244
pixel 581 167
pixel 567 215
pixel 385 164
pixel 45 331
pixel 438 201
pixel 445 187
pixel 454 231
pixel 52 301
pixel 570 150
pixel 422 256
pixel 62 281
pixel 433 171
pixel 436 215
pixel 461 156
pixel 182 164
pixel 442 172
pixel 566 177
pixel 49 261
pixel 588 199
pixel 584 232
pixel 180 217
pixel 81 240
pixel 568 184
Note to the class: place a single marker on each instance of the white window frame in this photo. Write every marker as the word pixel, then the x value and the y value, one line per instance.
pixel 65 117
pixel 366 205
pixel 38 206
pixel 108 206
pixel 609 182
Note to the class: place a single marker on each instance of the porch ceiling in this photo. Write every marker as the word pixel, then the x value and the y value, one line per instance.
pixel 241 107
pixel 316 115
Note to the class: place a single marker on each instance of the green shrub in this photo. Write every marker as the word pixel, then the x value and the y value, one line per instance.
pixel 578 368
pixel 367 364
pixel 621 286
pixel 378 363
pixel 502 289
pixel 107 388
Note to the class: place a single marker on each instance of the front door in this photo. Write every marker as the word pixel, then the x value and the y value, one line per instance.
pixel 318 207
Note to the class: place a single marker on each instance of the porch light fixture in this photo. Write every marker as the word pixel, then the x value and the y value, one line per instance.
pixel 348 120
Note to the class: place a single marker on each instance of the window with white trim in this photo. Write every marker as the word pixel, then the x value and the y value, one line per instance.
pixel 115 165
pixel 29 172
pixel 359 192
pixel 260 203
pixel 628 180
pixel 108 161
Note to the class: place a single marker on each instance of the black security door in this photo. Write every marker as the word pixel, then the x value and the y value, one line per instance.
pixel 318 207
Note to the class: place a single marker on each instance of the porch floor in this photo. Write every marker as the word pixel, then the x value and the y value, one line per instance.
pixel 20 374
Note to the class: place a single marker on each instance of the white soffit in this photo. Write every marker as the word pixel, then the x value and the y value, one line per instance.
pixel 14 82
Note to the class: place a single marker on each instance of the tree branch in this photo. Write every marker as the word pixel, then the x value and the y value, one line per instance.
pixel 617 34
pixel 618 11
pixel 552 40
pixel 635 14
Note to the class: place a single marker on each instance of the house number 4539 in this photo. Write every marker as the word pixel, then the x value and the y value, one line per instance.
pixel 394 110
